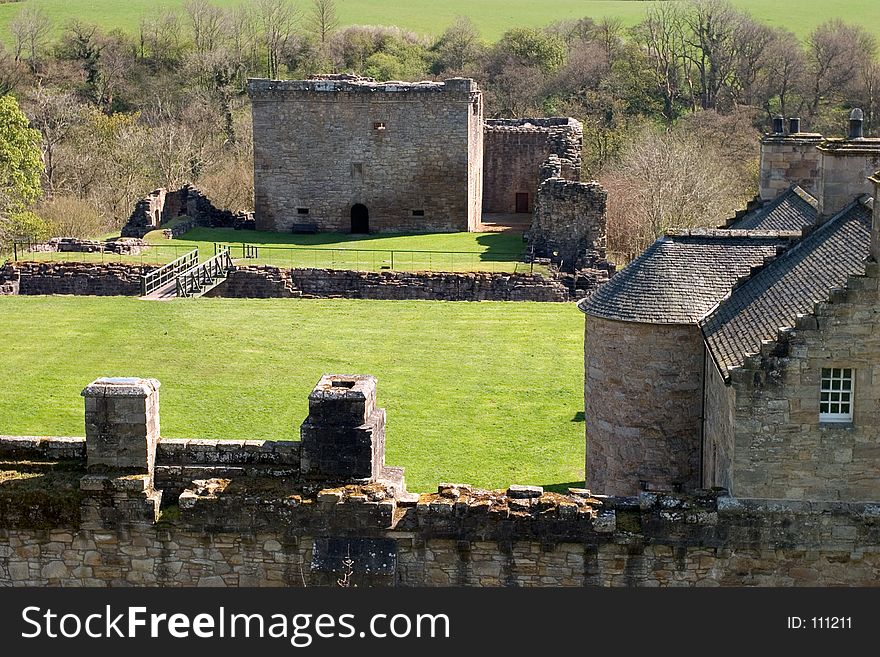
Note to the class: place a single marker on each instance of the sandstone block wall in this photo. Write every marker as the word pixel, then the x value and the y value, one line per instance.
pixel 569 225
pixel 122 279
pixel 780 448
pixel 788 160
pixel 251 513
pixel 79 278
pixel 410 153
pixel 273 282
pixel 642 398
pixel 162 206
pixel 514 150
pixel 222 534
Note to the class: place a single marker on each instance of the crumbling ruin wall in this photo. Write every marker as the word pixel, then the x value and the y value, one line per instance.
pixel 268 282
pixel 263 282
pixel 126 507
pixel 162 206
pixel 568 225
pixel 513 152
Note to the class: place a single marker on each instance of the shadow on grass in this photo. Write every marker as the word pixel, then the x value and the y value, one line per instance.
pixel 499 247
pixel 578 417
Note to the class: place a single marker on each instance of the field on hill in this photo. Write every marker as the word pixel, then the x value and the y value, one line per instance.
pixel 492 17
pixel 484 393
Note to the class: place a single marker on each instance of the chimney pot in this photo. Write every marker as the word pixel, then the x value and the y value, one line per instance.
pixel 794 125
pixel 778 125
pixel 856 124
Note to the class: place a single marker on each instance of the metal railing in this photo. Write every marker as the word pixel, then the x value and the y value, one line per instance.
pixel 201 278
pixel 380 259
pixel 167 273
pixel 150 254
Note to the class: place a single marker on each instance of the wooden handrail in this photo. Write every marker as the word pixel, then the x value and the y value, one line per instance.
pixel 167 273
pixel 196 280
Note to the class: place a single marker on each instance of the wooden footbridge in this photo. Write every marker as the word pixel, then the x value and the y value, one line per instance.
pixel 186 277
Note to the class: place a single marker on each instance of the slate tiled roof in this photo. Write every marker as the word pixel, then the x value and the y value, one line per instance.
pixel 681 277
pixel 789 211
pixel 790 285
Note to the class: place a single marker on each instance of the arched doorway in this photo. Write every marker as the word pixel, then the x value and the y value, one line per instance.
pixel 360 218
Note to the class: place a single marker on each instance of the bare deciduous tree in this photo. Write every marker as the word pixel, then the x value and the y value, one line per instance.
pixel 666 179
pixel 11 72
pixel 836 52
pixel 54 113
pixel 277 18
pixel 206 24
pixel 30 31
pixel 661 35
pixel 323 19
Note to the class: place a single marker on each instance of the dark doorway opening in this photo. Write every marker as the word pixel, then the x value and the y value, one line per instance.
pixel 522 202
pixel 360 218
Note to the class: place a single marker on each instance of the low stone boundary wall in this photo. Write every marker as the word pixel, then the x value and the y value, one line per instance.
pixel 267 282
pixel 79 278
pixel 123 279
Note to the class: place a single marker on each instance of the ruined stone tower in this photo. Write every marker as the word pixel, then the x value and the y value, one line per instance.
pixel 344 153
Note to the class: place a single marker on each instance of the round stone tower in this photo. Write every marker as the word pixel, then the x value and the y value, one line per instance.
pixel 644 359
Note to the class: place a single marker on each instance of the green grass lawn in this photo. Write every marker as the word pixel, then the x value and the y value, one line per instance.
pixel 485 393
pixel 431 252
pixel 492 252
pixel 492 17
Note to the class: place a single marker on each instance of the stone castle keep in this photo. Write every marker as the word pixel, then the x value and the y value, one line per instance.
pixel 349 154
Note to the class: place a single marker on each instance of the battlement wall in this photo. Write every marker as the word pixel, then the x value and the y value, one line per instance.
pixel 125 507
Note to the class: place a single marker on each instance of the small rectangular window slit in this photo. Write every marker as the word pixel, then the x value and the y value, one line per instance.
pixel 302 210
pixel 418 213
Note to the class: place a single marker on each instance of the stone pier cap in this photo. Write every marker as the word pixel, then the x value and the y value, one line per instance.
pixel 121 387
pixel 343 399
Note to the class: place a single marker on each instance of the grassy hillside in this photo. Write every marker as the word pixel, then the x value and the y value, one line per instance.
pixel 492 16
pixel 486 393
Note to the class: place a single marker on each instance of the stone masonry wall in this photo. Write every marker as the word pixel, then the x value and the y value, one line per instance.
pixel 718 428
pixel 79 278
pixel 407 152
pixel 569 225
pixel 268 282
pixel 788 160
pixel 845 167
pixel 126 507
pixel 781 450
pixel 215 537
pixel 122 279
pixel 642 397
pixel 514 150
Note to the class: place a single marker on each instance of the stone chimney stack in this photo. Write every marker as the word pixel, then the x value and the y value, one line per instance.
pixel 788 159
pixel 845 167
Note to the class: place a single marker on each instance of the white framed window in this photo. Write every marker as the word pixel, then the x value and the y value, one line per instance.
pixel 836 394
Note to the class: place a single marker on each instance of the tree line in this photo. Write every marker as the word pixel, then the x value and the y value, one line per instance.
pixel 120 114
